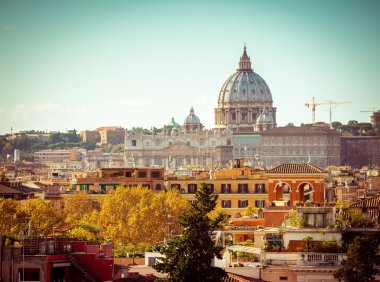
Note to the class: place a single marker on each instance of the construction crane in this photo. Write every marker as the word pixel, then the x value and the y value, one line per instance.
pixel 313 104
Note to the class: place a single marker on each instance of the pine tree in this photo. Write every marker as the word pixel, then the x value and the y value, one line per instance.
pixel 188 257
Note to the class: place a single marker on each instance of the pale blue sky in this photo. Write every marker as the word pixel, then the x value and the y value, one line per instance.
pixel 84 64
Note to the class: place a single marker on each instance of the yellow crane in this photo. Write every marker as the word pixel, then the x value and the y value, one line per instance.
pixel 314 104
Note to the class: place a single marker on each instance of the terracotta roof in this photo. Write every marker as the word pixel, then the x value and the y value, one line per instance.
pixel 8 190
pixel 296 168
pixel 250 228
pixel 233 277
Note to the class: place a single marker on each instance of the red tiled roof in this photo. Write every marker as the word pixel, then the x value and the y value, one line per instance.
pixel 295 168
pixel 8 190
pixel 233 277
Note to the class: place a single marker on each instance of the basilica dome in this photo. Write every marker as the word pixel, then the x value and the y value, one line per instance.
pixel 192 119
pixel 244 85
pixel 192 123
pixel 245 101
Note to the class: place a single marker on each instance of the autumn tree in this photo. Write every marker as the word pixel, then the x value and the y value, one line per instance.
pixel 11 217
pixel 188 257
pixel 362 261
pixel 86 228
pixel 250 211
pixel 136 214
pixel 78 205
pixel 42 216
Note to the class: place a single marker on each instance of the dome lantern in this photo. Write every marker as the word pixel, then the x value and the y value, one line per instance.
pixel 245 62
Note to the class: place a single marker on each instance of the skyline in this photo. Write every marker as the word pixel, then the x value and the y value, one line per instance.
pixel 88 64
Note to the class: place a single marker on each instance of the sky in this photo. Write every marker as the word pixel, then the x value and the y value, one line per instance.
pixel 81 64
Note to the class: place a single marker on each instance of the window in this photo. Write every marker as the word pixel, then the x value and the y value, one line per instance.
pixel 155 174
pixel 243 203
pixel 226 203
pixel 233 116
pixel 192 188
pixel 158 187
pixel 259 188
pixel 226 188
pixel 228 142
pixel 176 186
pixel 128 173
pixel 115 174
pixel 259 203
pixel 134 143
pixel 283 278
pixel 315 219
pixel 286 189
pixel 141 174
pixel 210 187
pixel 242 188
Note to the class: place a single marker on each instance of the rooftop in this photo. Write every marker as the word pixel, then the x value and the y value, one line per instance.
pixel 296 168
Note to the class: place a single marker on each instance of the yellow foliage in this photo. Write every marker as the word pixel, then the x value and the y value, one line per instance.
pixel 86 228
pixel 42 217
pixel 135 215
pixel 249 211
pixel 11 217
pixel 77 205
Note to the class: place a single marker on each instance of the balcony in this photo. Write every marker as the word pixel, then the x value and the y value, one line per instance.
pixel 302 259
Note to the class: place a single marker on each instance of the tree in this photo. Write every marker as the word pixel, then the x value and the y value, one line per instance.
pixel 188 257
pixel 336 124
pixel 11 217
pixel 250 211
pixel 55 137
pixel 77 205
pixel 86 228
pixel 307 241
pixel 352 122
pixel 362 261
pixel 135 215
pixel 43 216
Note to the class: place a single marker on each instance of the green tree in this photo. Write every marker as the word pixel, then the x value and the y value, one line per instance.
pixel 55 137
pixel 362 261
pixel 307 240
pixel 336 124
pixel 188 257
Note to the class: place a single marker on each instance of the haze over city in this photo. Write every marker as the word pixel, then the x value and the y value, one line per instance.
pixel 81 65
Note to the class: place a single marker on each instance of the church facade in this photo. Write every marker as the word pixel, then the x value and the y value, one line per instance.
pixel 174 146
